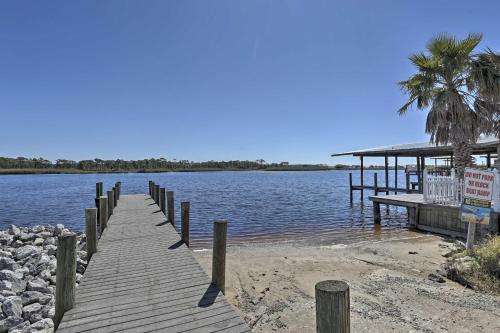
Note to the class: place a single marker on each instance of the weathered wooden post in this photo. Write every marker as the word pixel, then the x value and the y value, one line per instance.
pixel 115 196
pixel 97 193
pixel 350 185
pixel 375 183
pixel 219 255
pixel 150 186
pixel 111 201
pixel 91 231
pixel 162 201
pixel 170 206
pixel 65 275
pixel 103 218
pixel 157 194
pixel 185 222
pixel 332 307
pixel 376 212
pixel 407 183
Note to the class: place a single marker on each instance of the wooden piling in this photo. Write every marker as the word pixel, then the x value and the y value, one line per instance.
pixel 185 222
pixel 361 176
pixel 396 174
pixel 332 307
pixel 375 183
pixel 170 207
pixel 350 185
pixel 219 255
pixel 162 201
pixel 97 193
pixel 65 276
pixel 111 201
pixel 91 231
pixel 157 194
pixel 103 218
pixel 376 212
pixel 386 174
pixel 115 196
pixel 150 188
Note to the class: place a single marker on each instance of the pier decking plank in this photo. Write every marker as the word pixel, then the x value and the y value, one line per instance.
pixel 144 279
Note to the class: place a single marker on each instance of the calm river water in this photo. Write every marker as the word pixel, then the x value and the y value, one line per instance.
pixel 262 206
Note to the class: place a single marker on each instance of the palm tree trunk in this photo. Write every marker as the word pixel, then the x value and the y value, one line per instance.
pixel 463 156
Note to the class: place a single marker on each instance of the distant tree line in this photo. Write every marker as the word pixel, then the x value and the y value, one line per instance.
pixel 116 165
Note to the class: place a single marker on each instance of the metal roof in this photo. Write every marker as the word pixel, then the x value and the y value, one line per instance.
pixel 483 145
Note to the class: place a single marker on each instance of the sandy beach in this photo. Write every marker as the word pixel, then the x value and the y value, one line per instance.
pixel 272 286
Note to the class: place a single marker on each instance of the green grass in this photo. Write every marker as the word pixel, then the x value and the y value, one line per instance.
pixel 479 267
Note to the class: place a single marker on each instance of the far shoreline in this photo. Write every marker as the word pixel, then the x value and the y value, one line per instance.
pixel 77 171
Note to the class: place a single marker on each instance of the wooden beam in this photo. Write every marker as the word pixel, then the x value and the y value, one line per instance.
pixel 396 174
pixel 386 160
pixel 361 169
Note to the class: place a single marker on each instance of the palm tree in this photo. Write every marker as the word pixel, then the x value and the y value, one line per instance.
pixel 442 86
pixel 485 80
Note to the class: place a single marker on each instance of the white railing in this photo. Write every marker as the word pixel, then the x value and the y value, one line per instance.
pixel 443 190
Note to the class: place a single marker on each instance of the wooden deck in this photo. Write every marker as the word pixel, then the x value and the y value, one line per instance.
pixel 144 279
pixel 402 200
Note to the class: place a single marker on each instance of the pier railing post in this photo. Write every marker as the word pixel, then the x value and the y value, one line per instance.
pixel 97 193
pixel 170 206
pixel 157 194
pixel 150 188
pixel 332 307
pixel 111 201
pixel 103 218
pixel 185 222
pixel 91 231
pixel 65 276
pixel 375 183
pixel 162 201
pixel 350 185
pixel 219 255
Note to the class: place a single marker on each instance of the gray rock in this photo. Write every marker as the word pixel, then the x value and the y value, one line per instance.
pixel 51 249
pixel 49 241
pixel 30 310
pixel 81 265
pixel 17 284
pixel 22 272
pixel 58 229
pixel 9 323
pixel 436 278
pixel 38 228
pixel 5 254
pixel 27 237
pixel 5 285
pixel 38 285
pixel 45 235
pixel 38 241
pixel 30 297
pixel 24 327
pixel 13 306
pixel 17 243
pixel 8 263
pixel 48 311
pixel 45 275
pixel 25 251
pixel 36 317
pixel 5 238
pixel 13 230
pixel 7 293
pixel 44 324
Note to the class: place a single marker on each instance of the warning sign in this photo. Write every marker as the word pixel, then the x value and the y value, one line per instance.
pixel 478 184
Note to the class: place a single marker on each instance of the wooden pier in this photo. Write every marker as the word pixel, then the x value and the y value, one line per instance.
pixel 143 278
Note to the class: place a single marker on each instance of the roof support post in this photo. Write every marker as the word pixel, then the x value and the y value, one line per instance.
pixel 488 160
pixel 386 158
pixel 419 178
pixel 396 174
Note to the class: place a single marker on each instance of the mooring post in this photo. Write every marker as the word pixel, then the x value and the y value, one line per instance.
pixel 219 255
pixel 103 208
pixel 332 307
pixel 375 183
pixel 65 276
pixel 91 231
pixel 185 222
pixel 157 194
pixel 350 185
pixel 170 206
pixel 162 201
pixel 376 212
pixel 111 201
pixel 150 186
pixel 101 189
pixel 97 193
pixel 115 196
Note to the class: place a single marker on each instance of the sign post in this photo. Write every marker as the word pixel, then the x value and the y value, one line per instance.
pixel 476 206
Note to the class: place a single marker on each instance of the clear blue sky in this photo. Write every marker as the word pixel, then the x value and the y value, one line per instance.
pixel 199 80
